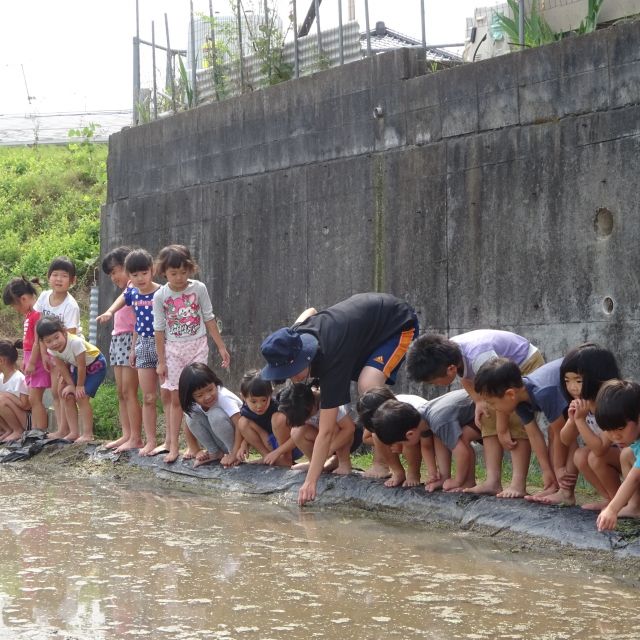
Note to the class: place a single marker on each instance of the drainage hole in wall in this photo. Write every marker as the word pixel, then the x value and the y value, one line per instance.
pixel 607 305
pixel 603 223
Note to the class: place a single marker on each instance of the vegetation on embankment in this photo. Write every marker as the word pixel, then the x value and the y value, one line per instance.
pixel 50 199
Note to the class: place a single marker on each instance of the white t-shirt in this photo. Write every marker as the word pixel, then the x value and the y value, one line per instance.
pixel 75 346
pixel 15 384
pixel 314 420
pixel 228 401
pixel 68 312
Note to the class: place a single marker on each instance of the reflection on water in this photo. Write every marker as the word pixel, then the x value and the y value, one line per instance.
pixel 87 559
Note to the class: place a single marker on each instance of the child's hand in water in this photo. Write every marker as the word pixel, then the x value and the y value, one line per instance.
pixel 104 317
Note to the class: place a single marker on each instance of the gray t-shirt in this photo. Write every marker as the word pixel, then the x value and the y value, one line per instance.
pixel 448 414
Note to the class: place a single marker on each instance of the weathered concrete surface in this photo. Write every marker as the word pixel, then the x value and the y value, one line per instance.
pixel 514 520
pixel 502 194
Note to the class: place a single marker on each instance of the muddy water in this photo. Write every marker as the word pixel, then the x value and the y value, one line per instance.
pixel 95 559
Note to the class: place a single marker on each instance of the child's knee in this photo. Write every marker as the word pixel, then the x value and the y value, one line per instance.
pixel 149 398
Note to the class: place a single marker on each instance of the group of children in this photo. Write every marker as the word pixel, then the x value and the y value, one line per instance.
pixel 160 339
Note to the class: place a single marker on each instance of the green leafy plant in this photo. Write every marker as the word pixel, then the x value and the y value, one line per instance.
pixel 536 29
pixel 184 85
pixel 106 422
pixel 590 22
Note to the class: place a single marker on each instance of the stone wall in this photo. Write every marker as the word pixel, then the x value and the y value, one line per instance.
pixel 497 194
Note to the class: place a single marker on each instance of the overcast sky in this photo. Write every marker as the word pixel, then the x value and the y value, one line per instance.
pixel 76 54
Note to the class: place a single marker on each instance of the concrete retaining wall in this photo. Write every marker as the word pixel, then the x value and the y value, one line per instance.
pixel 498 194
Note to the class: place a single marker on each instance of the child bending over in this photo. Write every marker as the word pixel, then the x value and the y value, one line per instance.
pixel 14 395
pixel 212 414
pixel 81 368
pixel 300 403
pixel 367 406
pixel 618 415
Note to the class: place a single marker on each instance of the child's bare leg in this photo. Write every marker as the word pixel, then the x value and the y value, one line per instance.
pixel 39 419
pixel 149 385
pixel 520 458
pixel 581 460
pixel 174 421
pixel 304 438
pixel 565 470
pixel 14 418
pixel 606 468
pixel 71 412
pixel 129 410
pixel 392 461
pixel 379 467
pixel 253 434
pixel 341 444
pixel 493 463
pixel 413 457
pixel 62 430
pixel 193 446
pixel 86 417
pixel 282 432
pixel 443 462
pixel 465 458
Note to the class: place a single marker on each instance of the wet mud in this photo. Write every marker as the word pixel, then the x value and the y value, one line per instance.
pixel 517 523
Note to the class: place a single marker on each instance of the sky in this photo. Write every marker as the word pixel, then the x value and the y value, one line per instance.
pixel 76 55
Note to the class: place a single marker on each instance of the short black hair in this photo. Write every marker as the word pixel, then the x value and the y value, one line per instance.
pixel 19 287
pixel 62 263
pixel 115 258
pixel 369 402
pixel 138 260
pixel 497 375
pixel 193 377
pixel 48 325
pixel 594 363
pixel 430 355
pixel 252 384
pixel 617 403
pixel 393 419
pixel 297 402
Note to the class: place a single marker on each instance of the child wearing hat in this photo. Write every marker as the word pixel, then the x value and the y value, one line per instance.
pixel 363 338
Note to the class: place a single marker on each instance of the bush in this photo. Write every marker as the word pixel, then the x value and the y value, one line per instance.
pixel 106 422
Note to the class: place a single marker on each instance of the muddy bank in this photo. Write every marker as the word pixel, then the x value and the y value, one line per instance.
pixel 530 525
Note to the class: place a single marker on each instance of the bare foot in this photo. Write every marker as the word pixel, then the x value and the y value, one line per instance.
pixel 549 491
pixel 300 466
pixel 204 457
pixel 147 450
pixel 630 511
pixel 377 471
pixel 433 485
pixel 84 439
pixel 396 479
pixel 128 445
pixel 411 481
pixel 54 435
pixel 190 454
pixel 172 456
pixel 564 497
pixel 116 443
pixel 343 470
pixel 512 492
pixel 163 448
pixel 14 437
pixel 72 437
pixel 485 488
pixel 595 506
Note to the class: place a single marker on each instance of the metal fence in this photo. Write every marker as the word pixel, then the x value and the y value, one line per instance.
pixel 232 54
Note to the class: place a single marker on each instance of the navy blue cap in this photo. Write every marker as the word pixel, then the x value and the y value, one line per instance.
pixel 287 352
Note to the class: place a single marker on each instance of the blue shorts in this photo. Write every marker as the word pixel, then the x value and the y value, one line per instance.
pixel 96 372
pixel 295 454
pixel 389 356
